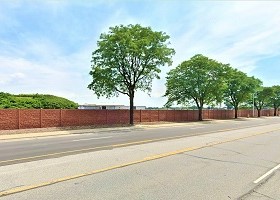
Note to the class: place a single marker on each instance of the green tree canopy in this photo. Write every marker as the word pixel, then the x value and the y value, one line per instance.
pixel 239 88
pixel 262 98
pixel 275 98
pixel 199 80
pixel 128 59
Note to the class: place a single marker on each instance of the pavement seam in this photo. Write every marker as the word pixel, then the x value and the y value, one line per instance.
pixel 114 146
pixel 137 127
pixel 146 159
pixel 255 188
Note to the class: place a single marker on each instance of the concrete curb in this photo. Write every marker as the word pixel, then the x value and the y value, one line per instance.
pixel 55 133
pixel 61 133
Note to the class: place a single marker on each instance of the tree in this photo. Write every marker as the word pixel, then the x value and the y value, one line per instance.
pixel 128 59
pixel 275 98
pixel 239 88
pixel 262 98
pixel 199 80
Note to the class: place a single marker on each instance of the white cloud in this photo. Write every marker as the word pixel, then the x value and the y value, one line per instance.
pixel 240 33
pixel 18 75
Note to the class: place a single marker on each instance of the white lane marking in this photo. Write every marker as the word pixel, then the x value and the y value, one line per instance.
pixel 197 127
pixel 267 174
pixel 99 138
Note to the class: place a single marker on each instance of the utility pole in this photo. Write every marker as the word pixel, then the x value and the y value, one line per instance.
pixel 253 106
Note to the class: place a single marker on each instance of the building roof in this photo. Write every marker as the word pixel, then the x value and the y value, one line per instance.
pixel 101 105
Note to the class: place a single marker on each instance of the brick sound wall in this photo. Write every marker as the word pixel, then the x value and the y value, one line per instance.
pixel 51 118
pixel 42 118
pixel 30 118
pixel 9 119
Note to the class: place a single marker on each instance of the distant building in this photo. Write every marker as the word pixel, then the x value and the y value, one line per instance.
pixel 108 107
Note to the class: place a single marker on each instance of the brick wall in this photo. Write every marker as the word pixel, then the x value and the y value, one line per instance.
pixel 42 118
pixel 51 118
pixel 9 119
pixel 30 118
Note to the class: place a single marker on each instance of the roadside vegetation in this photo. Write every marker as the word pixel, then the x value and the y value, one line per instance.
pixel 36 101
pixel 202 80
pixel 128 58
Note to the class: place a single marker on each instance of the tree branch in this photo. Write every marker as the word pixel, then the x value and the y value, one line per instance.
pixel 139 74
pixel 121 91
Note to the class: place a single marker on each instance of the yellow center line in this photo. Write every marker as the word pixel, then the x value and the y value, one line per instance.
pixel 146 159
pixel 111 146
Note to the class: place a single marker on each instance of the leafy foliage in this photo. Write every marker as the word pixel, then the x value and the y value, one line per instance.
pixel 240 88
pixel 199 80
pixel 275 98
pixel 35 101
pixel 128 59
pixel 262 97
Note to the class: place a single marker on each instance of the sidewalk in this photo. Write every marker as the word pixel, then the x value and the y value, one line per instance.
pixel 35 133
pixel 48 132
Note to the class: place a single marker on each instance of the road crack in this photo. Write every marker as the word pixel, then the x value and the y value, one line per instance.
pixel 254 189
pixel 224 161
pixel 264 195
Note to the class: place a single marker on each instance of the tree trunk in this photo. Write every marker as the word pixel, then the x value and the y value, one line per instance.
pixel 235 113
pixel 275 111
pixel 131 108
pixel 200 114
pixel 259 112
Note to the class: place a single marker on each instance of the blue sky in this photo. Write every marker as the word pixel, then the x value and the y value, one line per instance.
pixel 46 46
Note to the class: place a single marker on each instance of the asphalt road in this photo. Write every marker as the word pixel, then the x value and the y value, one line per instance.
pixel 42 148
pixel 231 164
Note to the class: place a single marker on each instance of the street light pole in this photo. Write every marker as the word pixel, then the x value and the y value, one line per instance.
pixel 253 106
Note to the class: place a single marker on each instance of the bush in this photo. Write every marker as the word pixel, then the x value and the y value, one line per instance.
pixel 35 101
